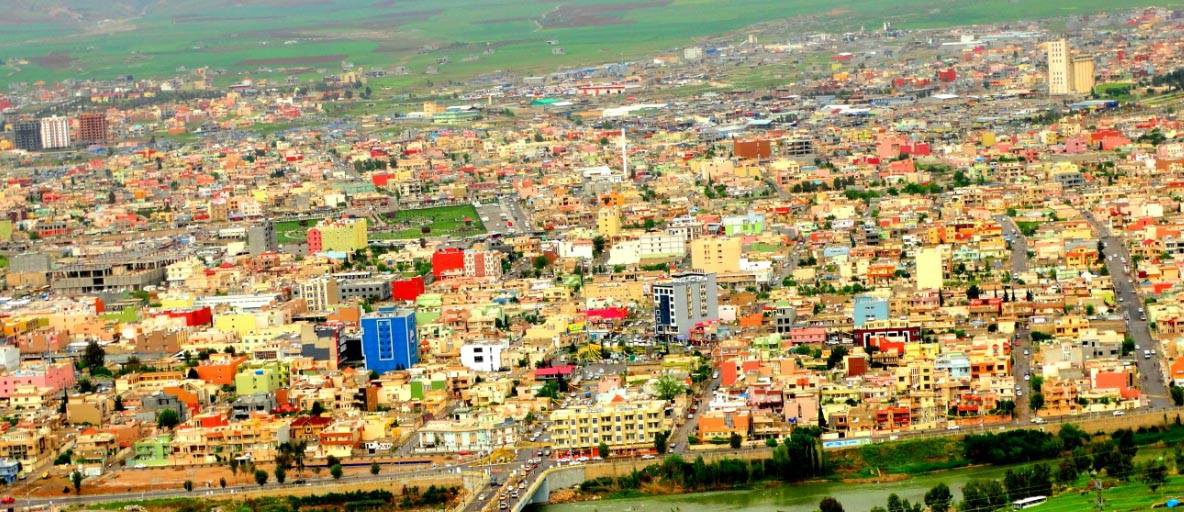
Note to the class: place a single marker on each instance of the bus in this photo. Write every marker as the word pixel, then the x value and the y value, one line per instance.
pixel 1028 502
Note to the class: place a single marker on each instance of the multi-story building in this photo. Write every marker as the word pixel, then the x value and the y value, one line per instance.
pixel 261 238
pixel 685 302
pixel 482 357
pixel 455 262
pixel 93 128
pixel 472 435
pixel 1068 73
pixel 55 132
pixel 27 135
pixel 628 427
pixel 342 235
pixel 716 254
pixel 389 340
pixel 320 293
pixel 115 272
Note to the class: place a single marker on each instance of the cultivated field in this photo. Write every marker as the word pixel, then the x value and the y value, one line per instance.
pixel 275 38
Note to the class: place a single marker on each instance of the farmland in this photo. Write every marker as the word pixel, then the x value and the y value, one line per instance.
pixel 268 38
pixel 453 221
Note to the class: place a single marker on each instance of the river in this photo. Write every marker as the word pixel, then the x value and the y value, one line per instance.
pixel 790 497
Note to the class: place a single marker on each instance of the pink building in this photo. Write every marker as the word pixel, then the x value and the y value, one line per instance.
pixel 54 376
pixel 807 335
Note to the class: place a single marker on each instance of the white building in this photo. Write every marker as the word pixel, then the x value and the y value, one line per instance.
pixel 55 132
pixel 320 293
pixel 660 244
pixel 469 435
pixel 482 357
pixel 180 271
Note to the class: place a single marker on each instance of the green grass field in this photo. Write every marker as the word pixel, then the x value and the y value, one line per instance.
pixel 275 38
pixel 293 231
pixel 1129 496
pixel 442 221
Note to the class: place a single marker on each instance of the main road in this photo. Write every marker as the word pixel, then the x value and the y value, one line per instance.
pixel 1151 375
pixel 1021 341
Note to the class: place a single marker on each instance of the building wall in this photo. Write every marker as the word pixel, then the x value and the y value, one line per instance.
pixel 389 341
pixel 929 268
pixel 716 254
pixel 1058 68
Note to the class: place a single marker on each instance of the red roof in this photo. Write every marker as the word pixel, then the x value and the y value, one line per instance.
pixel 608 313
pixel 552 371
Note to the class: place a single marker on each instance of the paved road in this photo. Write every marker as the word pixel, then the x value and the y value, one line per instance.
pixel 1151 376
pixel 1021 342
pixel 678 439
pixel 326 481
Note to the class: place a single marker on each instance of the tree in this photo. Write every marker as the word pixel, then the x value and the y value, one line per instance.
pixel 734 440
pixel 260 477
pixel 1037 401
pixel 375 468
pixel 983 495
pixel 1067 471
pixel 829 504
pixel 1177 395
pixel 602 449
pixel 222 482
pixel 93 356
pixel 1155 473
pixel 836 357
pixel 598 244
pixel 119 403
pixel 76 479
pixel 280 474
pixel 168 418
pixel 669 387
pixel 1071 436
pixel 317 409
pixel 336 471
pixel 660 440
pixel 973 292
pixel 938 498
pixel 188 485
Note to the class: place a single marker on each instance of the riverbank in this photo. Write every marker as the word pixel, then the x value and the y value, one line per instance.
pixel 776 496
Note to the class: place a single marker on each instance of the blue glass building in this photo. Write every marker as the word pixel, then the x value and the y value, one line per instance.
pixel 389 341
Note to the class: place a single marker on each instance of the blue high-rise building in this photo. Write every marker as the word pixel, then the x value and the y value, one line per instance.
pixel 389 341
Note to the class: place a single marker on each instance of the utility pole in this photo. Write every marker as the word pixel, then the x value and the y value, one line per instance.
pixel 1099 502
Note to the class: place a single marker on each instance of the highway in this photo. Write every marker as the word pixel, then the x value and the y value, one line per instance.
pixel 1151 375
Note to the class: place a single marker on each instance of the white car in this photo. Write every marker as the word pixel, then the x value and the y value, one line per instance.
pixel 1038 420
pixel 1119 413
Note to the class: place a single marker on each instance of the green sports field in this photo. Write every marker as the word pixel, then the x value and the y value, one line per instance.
pixel 275 38
pixel 452 221
pixel 293 231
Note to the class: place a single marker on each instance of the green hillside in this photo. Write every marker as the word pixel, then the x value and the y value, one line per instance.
pixel 72 38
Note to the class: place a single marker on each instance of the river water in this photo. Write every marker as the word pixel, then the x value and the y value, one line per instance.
pixel 790 497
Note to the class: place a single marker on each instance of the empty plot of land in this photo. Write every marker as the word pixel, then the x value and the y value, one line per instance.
pixel 54 60
pixel 571 16
pixel 304 60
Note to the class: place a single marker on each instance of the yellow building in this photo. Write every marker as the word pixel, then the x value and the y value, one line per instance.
pixel 624 425
pixel 716 254
pixel 343 235
pixel 608 222
pixel 929 268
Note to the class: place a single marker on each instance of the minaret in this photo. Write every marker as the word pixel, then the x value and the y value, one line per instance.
pixel 624 154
